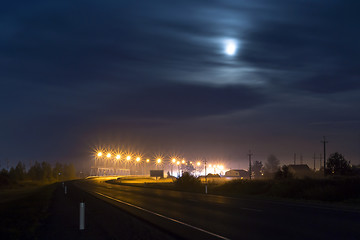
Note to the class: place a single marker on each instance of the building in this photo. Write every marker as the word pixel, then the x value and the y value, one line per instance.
pixel 300 170
pixel 105 171
pixel 240 173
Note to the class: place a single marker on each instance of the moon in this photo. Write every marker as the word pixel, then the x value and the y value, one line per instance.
pixel 230 47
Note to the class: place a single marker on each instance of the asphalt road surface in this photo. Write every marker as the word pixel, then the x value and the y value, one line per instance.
pixel 199 216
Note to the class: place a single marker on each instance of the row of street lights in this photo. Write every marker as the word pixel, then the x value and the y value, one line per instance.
pixel 115 159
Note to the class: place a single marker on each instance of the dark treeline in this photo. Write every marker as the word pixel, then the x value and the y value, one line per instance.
pixel 42 172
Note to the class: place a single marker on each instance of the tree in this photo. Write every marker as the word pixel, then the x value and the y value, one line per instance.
pixel 284 173
pixel 272 164
pixel 46 171
pixel 337 165
pixel 257 168
pixel 58 171
pixel 35 172
pixel 187 181
pixel 20 171
pixel 69 172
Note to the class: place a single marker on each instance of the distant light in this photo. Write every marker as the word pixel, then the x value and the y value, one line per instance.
pixel 147 160
pixel 183 161
pixel 108 155
pixel 118 156
pixel 99 154
pixel 137 159
pixel 178 163
pixel 173 160
pixel 159 160
pixel 198 163
pixel 230 47
pixel 128 158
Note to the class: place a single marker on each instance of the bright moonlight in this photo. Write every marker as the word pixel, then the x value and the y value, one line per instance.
pixel 230 47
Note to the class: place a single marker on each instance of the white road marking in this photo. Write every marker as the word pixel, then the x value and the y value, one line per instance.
pixel 159 215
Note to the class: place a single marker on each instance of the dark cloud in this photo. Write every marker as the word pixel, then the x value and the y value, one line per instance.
pixel 75 71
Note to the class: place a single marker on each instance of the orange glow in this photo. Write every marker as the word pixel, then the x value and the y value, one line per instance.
pixel 159 160
pixel 108 155
pixel 99 154
pixel 138 159
pixel 178 163
pixel 198 163
pixel 147 160
pixel 173 160
pixel 183 161
pixel 128 158
pixel 118 157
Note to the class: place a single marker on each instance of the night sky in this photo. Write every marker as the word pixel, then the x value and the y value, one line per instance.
pixel 157 77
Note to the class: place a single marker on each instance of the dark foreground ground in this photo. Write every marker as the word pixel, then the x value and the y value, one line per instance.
pixel 128 212
pixel 103 221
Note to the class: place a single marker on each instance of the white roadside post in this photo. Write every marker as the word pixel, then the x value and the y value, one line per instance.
pixel 82 216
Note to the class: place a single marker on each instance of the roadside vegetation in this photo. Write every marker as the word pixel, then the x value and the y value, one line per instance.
pixel 340 185
pixel 38 174
pixel 25 196
pixel 21 216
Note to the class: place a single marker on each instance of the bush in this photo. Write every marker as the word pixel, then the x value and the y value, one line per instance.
pixel 187 182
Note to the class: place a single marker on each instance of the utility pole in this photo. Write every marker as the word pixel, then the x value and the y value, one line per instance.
pixel 301 159
pixel 250 154
pixel 294 158
pixel 205 178
pixel 324 142
pixel 320 159
pixel 314 161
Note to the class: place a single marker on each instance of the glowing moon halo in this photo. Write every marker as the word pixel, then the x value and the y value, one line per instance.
pixel 230 47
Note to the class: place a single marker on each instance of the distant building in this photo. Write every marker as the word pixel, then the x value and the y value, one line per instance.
pixel 300 170
pixel 243 174
pixel 104 171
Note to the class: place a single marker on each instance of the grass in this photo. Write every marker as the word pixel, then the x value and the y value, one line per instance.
pixel 344 190
pixel 22 211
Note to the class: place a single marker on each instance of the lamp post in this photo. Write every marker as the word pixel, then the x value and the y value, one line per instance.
pixel 173 162
pixel 205 178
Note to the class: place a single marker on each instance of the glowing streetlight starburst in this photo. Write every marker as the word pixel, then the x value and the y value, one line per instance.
pixel 99 154
pixel 108 155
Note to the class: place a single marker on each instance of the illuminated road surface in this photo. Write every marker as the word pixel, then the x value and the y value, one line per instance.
pixel 200 216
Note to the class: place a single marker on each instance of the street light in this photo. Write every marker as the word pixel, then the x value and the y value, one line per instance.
pixel 173 161
pixel 99 154
pixel 108 155
pixel 118 156
pixel 178 164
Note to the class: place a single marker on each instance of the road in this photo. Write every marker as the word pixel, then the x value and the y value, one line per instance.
pixel 200 216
